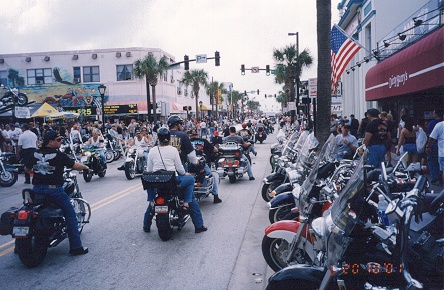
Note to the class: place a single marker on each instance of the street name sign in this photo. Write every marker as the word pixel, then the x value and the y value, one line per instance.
pixel 201 58
pixel 255 69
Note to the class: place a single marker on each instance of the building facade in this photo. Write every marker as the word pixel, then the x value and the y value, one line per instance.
pixel 69 79
pixel 401 63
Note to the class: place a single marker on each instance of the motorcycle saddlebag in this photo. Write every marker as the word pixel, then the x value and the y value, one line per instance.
pixel 7 221
pixel 159 179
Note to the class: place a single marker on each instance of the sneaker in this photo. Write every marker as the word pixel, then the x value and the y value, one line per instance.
pixel 78 251
pixel 217 199
pixel 200 229
pixel 251 178
pixel 121 167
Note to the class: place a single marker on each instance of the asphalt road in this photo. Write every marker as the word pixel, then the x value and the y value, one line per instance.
pixel 122 256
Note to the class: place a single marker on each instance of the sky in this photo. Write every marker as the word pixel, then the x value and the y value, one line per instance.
pixel 243 31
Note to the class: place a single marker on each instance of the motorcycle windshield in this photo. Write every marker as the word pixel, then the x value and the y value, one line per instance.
pixel 327 153
pixel 291 142
pixel 303 159
pixel 342 216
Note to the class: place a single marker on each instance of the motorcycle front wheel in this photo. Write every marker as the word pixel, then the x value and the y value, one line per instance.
pixel 280 213
pixel 109 154
pixel 268 188
pixel 275 252
pixel 129 170
pixel 102 173
pixel 32 250
pixel 7 178
pixel 164 226
pixel 22 99
pixel 87 175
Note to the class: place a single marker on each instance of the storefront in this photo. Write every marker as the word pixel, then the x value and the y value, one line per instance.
pixel 412 78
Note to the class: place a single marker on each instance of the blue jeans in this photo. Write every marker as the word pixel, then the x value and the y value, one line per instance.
pixel 59 197
pixel 376 155
pixel 432 162
pixel 203 132
pixel 186 181
pixel 208 172
pixel 249 172
pixel 102 155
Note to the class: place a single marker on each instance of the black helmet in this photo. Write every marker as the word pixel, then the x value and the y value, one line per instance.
pixel 174 119
pixel 163 135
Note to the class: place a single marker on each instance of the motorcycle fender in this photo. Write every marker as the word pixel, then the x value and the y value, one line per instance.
pixel 10 168
pixel 285 229
pixel 272 177
pixel 281 199
pixel 283 188
pixel 300 272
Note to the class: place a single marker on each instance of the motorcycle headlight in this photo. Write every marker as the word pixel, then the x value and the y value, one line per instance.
pixel 87 154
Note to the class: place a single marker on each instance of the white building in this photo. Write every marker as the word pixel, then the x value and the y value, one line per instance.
pixel 70 79
pixel 401 63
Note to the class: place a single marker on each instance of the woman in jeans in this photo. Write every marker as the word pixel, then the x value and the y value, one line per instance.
pixel 407 138
pixel 165 156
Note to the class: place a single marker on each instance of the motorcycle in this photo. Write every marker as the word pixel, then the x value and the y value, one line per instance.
pixel 8 173
pixel 260 134
pixel 37 225
pixel 91 158
pixel 135 162
pixel 357 248
pixel 203 183
pixel 232 162
pixel 12 96
pixel 168 207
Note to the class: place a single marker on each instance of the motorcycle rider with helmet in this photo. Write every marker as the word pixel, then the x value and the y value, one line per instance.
pixel 48 165
pixel 205 146
pixel 165 156
pixel 247 135
pixel 239 140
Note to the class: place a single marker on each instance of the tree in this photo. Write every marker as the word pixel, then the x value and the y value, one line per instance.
pixel 323 11
pixel 282 99
pixel 150 69
pixel 289 68
pixel 212 88
pixel 195 78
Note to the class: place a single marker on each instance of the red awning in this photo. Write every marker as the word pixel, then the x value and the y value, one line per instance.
pixel 416 68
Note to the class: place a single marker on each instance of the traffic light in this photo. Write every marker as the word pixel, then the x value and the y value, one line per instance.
pixel 265 95
pixel 258 91
pixel 267 69
pixel 245 93
pixel 187 64
pixel 242 69
pixel 217 58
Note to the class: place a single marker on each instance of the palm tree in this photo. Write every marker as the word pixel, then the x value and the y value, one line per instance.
pixel 282 99
pixel 150 69
pixel 323 11
pixel 289 68
pixel 212 88
pixel 195 78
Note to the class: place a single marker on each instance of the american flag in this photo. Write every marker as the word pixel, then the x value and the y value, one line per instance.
pixel 343 49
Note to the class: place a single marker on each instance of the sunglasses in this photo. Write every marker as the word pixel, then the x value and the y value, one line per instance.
pixel 58 139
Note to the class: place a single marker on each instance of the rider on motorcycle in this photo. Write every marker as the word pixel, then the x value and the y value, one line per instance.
pixel 98 142
pixel 142 142
pixel 239 140
pixel 206 147
pixel 247 135
pixel 166 157
pixel 48 166
pixel 181 141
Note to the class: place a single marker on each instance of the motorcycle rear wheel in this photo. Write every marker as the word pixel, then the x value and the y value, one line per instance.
pixel 116 155
pixel 280 213
pixel 102 173
pixel 109 154
pixel 7 178
pixel 275 251
pixel 232 178
pixel 164 226
pixel 129 170
pixel 83 212
pixel 32 250
pixel 22 99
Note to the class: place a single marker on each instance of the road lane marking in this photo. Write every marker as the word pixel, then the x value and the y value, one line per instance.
pixel 94 206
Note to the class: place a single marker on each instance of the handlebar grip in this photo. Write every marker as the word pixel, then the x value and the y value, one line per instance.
pixel 420 183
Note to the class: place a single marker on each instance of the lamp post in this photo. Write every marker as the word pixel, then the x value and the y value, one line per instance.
pixel 296 76
pixel 200 104
pixel 102 90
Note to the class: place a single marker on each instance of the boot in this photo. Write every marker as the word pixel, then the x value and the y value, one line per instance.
pixel 217 199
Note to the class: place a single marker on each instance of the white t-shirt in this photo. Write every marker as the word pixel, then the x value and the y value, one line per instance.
pixel 203 125
pixel 170 157
pixel 28 140
pixel 438 134
pixel 75 135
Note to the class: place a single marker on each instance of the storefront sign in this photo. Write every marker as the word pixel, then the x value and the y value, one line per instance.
pixel 83 111
pixel 121 109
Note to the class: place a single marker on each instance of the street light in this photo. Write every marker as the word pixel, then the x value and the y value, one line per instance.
pixel 297 79
pixel 200 104
pixel 102 90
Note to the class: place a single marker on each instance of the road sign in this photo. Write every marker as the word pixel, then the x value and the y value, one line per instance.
pixel 201 58
pixel 255 69
pixel 273 71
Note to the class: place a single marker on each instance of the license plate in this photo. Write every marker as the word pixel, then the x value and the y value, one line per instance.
pixel 20 231
pixel 161 209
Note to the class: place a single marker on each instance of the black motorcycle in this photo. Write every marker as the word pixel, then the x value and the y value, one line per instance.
pixel 39 225
pixel 12 96
pixel 261 134
pixel 91 158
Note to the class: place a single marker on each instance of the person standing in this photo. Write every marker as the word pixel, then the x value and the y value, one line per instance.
pixel 437 136
pixel 407 138
pixel 203 129
pixel 432 153
pixel 27 144
pixel 375 138
pixel 48 164
pixel 354 125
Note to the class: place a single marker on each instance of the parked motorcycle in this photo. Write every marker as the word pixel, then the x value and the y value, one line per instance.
pixel 12 96
pixel 8 173
pixel 232 162
pixel 135 162
pixel 37 225
pixel 91 158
